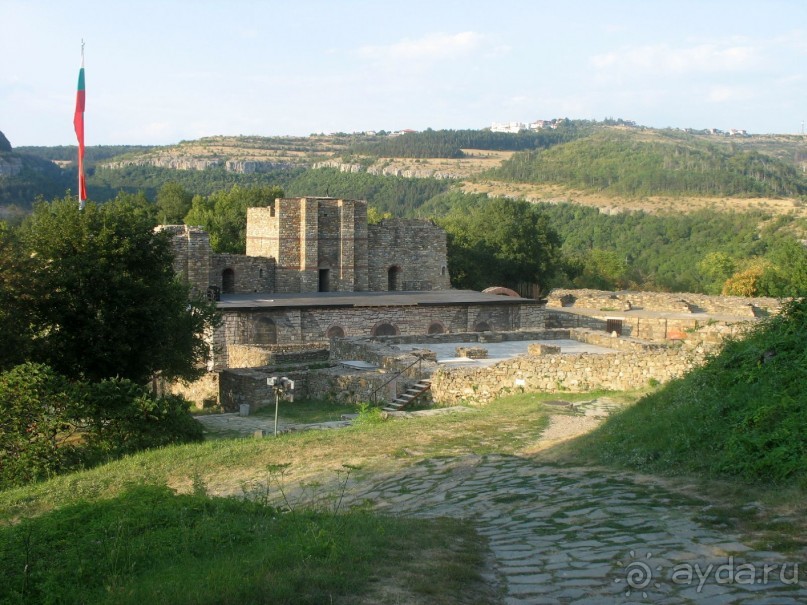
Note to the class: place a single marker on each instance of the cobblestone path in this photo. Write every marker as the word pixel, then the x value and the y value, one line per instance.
pixel 562 535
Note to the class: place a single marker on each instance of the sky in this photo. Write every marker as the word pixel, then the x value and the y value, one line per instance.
pixel 171 70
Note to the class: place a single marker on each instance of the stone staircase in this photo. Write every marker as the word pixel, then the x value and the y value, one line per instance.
pixel 412 393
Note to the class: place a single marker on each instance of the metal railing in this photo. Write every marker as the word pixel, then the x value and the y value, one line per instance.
pixel 418 361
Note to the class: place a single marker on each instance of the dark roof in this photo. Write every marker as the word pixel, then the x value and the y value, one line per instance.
pixel 365 299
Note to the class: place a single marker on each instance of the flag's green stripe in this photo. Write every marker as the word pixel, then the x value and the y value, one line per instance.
pixel 81 79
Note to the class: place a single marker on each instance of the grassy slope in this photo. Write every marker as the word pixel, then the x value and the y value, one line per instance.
pixel 742 416
pixel 149 545
pixel 146 544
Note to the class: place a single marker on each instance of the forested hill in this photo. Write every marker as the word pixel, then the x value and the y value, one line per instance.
pixel 652 162
pixel 450 143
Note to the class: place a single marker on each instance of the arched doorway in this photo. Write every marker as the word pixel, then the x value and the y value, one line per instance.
pixel 228 281
pixel 385 329
pixel 335 332
pixel 482 326
pixel 265 332
pixel 394 278
pixel 436 328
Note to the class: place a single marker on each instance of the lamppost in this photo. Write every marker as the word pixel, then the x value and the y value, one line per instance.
pixel 282 387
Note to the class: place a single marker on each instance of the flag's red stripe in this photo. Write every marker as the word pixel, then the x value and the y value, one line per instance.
pixel 78 124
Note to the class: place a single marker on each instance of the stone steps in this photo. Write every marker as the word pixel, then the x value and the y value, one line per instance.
pixel 409 396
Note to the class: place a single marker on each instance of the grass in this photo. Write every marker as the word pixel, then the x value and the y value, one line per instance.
pixel 150 545
pixel 152 531
pixel 743 415
pixel 223 465
pixel 308 411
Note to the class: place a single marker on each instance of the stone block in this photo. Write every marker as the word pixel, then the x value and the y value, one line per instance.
pixel 472 352
pixel 540 349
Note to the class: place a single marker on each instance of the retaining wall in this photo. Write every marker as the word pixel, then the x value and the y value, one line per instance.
pixel 625 370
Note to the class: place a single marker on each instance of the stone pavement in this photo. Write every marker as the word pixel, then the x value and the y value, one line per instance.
pixel 566 535
pixel 574 535
pixel 500 351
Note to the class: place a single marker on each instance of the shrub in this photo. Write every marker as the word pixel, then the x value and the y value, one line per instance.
pixel 50 425
pixel 36 424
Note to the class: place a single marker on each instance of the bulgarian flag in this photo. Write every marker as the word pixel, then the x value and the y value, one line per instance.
pixel 78 124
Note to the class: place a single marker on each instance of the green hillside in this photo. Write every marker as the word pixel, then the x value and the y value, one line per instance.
pixel 651 162
pixel 742 415
pixel 450 143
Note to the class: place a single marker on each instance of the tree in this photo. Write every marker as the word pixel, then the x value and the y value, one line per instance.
pixel 787 274
pixel 375 216
pixel 501 243
pixel 101 296
pixel 747 281
pixel 173 203
pixel 14 305
pixel 224 214
pixel 716 267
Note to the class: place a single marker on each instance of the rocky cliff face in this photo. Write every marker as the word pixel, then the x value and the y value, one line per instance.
pixel 9 165
pixel 388 170
pixel 191 163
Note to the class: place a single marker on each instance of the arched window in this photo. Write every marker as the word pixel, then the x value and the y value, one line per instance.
pixel 228 281
pixel 385 329
pixel 265 332
pixel 335 332
pixel 443 270
pixel 482 326
pixel 394 278
pixel 436 328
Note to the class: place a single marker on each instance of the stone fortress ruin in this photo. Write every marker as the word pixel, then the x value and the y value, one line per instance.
pixel 372 307
pixel 315 269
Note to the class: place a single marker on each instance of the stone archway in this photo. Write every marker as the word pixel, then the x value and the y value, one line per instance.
pixel 335 332
pixel 482 326
pixel 385 329
pixel 436 328
pixel 265 332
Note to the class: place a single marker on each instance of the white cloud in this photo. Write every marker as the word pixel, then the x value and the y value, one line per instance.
pixel 664 59
pixel 727 94
pixel 432 46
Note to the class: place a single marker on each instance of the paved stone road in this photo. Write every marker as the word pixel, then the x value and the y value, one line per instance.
pixel 562 535
pixel 569 535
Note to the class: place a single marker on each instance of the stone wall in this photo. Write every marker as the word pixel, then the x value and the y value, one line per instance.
pixel 247 274
pixel 317 324
pixel 736 306
pixel 252 356
pixel 650 328
pixel 407 254
pixel 557 373
pixel 203 392
pixel 320 244
pixel 334 384
pixel 192 255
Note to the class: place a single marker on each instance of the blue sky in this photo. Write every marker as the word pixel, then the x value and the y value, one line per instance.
pixel 161 72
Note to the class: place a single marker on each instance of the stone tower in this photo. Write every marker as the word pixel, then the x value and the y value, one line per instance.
pixel 319 243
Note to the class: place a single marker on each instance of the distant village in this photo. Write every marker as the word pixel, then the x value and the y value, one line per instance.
pixel 516 127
